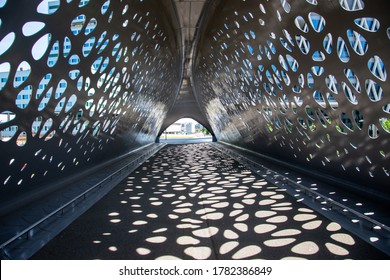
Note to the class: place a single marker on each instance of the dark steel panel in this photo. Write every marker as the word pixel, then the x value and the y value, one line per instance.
pixel 270 79
pixel 91 113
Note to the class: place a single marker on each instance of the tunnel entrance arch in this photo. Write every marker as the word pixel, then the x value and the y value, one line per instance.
pixel 186 130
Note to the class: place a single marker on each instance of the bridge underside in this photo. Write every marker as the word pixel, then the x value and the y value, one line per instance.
pixel 84 82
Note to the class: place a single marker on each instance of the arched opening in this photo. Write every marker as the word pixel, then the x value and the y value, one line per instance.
pixel 185 130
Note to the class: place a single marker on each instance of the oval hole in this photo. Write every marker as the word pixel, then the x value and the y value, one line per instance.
pixel 7 42
pixel 32 27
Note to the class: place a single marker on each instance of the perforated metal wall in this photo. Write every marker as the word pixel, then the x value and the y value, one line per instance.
pixel 81 82
pixel 304 81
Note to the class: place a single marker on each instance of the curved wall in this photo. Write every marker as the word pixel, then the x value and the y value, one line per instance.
pixel 304 81
pixel 81 82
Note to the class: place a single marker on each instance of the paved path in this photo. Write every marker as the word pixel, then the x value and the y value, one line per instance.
pixel 191 202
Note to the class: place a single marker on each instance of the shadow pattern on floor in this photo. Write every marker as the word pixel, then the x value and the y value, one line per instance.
pixel 192 202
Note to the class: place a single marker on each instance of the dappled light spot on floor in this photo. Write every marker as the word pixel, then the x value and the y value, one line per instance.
pixel 241 227
pixel 312 225
pixel 206 232
pixel 333 227
pixel 228 246
pixel 143 251
pixel 264 228
pixel 168 257
pixel 306 248
pixel 266 202
pixel 287 232
pixel 247 252
pixel 187 240
pixel 198 253
pixel 265 214
pixel 113 248
pixel 156 239
pixel 336 249
pixel 277 219
pixel 229 234
pixel 304 217
pixel 279 242
pixel 343 238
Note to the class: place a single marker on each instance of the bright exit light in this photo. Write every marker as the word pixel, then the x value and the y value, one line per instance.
pixel 185 128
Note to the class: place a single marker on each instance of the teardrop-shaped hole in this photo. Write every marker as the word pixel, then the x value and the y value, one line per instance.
pixel 32 27
pixel 7 42
pixel 41 46
pixel 22 139
pixel 48 7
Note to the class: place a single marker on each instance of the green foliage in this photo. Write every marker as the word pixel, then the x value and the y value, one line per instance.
pixel 203 130
pixel 386 124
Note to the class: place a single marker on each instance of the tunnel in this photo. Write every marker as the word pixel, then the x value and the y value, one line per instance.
pixel 87 84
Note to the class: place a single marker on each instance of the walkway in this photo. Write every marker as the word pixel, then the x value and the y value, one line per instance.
pixel 192 202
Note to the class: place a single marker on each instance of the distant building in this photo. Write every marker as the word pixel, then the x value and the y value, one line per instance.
pixel 188 128
pixel 175 128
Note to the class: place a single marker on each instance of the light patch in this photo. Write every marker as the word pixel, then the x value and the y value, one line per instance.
pixel 247 252
pixel 143 251
pixel 336 249
pixel 235 213
pixel 198 253
pixel 220 205
pixel 139 223
pixel 249 201
pixel 312 225
pixel 268 193
pixel 229 234
pixel 113 214
pixel 241 227
pixel 264 228
pixel 188 226
pixel 267 202
pixel 279 242
pixel 168 258
pixel 242 218
pixel 152 216
pixel 206 232
pixel 304 217
pixel 343 238
pixel 156 239
pixel 286 232
pixel 305 210
pixel 227 247
pixel 112 248
pixel 160 230
pixel 333 227
pixel 182 210
pixel 238 206
pixel 265 214
pixel 277 219
pixel 187 240
pixel 213 216
pixel 306 248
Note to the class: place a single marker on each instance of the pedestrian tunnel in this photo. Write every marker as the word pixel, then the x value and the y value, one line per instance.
pixel 87 84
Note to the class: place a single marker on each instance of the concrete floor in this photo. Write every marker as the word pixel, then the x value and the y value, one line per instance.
pixel 192 202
